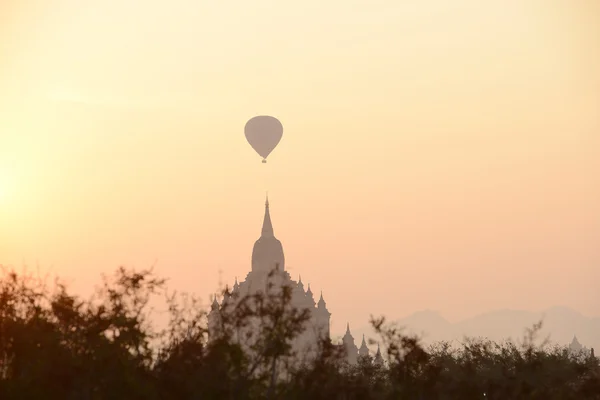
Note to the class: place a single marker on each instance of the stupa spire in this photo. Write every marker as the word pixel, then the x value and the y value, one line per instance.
pixel 378 358
pixel 215 303
pixel 267 227
pixel 364 349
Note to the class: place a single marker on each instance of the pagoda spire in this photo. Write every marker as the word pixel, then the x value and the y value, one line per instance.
pixel 215 304
pixel 378 358
pixel 300 284
pixel 348 336
pixel 267 228
pixel 321 300
pixel 364 349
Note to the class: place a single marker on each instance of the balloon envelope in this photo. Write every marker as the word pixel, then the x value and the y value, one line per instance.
pixel 263 133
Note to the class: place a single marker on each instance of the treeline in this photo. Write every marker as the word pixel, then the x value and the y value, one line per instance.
pixel 55 345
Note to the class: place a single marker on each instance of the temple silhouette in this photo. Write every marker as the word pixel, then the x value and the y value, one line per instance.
pixel 268 264
pixel 577 349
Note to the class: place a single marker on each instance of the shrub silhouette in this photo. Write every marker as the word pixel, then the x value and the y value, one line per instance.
pixel 55 345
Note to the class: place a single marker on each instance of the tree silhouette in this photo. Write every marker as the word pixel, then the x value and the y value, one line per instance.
pixel 55 345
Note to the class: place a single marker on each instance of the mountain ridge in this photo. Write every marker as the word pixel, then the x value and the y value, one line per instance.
pixel 559 324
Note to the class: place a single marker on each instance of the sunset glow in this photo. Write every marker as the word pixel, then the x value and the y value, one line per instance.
pixel 433 151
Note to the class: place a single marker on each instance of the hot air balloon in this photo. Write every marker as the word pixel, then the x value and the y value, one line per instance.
pixel 263 133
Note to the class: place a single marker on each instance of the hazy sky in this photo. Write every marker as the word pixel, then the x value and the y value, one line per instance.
pixel 436 154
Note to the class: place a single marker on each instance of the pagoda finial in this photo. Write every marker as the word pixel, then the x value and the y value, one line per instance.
pixel 267 228
pixel 321 303
pixel 215 303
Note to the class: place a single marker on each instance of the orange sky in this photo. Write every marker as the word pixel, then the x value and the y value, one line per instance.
pixel 436 154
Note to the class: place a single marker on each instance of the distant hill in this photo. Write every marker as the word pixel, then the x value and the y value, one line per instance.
pixel 559 323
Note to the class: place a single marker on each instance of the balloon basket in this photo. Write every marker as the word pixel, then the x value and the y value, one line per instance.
pixel 264 161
